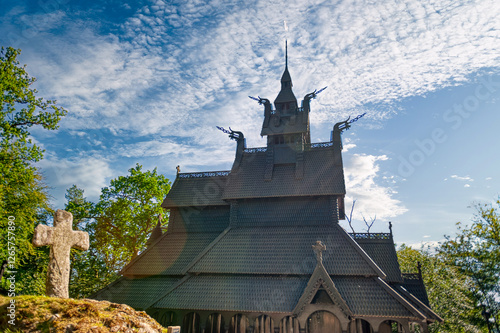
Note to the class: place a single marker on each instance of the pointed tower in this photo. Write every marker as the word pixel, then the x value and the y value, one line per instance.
pixel 287 126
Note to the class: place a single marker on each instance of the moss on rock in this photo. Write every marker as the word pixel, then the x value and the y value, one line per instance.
pixel 48 314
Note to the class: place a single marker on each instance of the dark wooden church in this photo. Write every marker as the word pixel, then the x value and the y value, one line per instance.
pixel 258 249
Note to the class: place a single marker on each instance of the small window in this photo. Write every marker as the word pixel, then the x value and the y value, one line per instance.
pixel 279 139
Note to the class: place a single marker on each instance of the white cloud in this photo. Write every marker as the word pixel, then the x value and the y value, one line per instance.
pixel 189 157
pixel 372 199
pixel 173 66
pixel 180 68
pixel 462 178
pixel 431 246
pixel 90 174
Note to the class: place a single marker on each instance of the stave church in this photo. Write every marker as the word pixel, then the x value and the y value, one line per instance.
pixel 259 248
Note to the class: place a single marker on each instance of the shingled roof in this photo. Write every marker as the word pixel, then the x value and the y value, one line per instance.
pixel 323 175
pixel 285 250
pixel 367 297
pixel 380 247
pixel 139 293
pixel 197 189
pixel 236 293
pixel 413 284
pixel 170 255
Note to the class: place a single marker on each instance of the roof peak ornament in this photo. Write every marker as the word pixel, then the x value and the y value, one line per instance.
pixel 341 126
pixel 318 248
pixel 233 135
pixel 240 147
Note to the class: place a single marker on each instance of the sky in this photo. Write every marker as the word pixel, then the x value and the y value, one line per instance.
pixel 148 81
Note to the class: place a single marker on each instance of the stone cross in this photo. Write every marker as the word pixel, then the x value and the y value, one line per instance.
pixel 318 250
pixel 61 238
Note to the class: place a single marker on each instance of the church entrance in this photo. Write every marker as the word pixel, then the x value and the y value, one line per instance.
pixel 323 322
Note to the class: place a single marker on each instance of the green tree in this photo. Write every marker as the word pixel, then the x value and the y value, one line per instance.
pixel 21 109
pixel 447 289
pixel 23 194
pixel 89 271
pixel 118 226
pixel 476 252
pixel 127 212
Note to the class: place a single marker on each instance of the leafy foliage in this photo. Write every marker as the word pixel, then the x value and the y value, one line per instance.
pixel 22 192
pixel 88 268
pixel 118 226
pixel 476 252
pixel 447 289
pixel 21 109
pixel 127 213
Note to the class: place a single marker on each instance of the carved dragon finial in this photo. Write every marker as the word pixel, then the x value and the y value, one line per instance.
pixel 260 100
pixel 234 135
pixel 314 93
pixel 307 98
pixel 341 126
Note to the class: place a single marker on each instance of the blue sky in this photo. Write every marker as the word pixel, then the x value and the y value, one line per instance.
pixel 147 82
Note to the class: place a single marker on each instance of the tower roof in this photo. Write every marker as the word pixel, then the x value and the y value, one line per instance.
pixel 286 93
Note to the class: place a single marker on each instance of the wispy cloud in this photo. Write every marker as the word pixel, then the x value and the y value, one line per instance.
pixel 178 68
pixel 169 70
pixel 372 198
pixel 90 174
pixel 462 178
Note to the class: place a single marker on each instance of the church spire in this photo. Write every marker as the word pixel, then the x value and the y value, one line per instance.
pixel 286 94
pixel 286 53
pixel 287 126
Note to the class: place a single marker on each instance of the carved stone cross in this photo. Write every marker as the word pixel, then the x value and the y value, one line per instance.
pixel 61 238
pixel 318 248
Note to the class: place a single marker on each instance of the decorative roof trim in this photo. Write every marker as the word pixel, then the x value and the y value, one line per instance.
pixel 370 235
pixel 308 146
pixel 204 174
pixel 208 248
pixel 319 145
pixel 320 277
pixel 401 299
pixel 255 150
pixel 421 304
pixel 362 252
